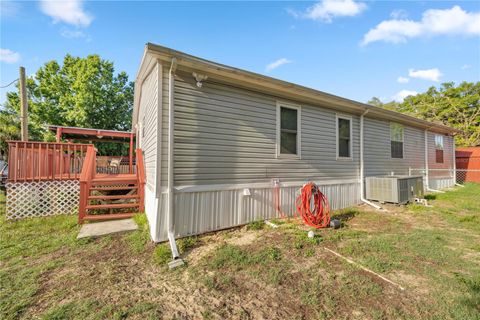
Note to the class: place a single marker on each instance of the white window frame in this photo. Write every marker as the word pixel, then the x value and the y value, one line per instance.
pixel 437 148
pixel 443 142
pixel 349 118
pixel 390 139
pixel 298 108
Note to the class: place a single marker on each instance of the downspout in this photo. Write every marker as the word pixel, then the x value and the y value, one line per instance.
pixel 362 166
pixel 427 187
pixel 171 122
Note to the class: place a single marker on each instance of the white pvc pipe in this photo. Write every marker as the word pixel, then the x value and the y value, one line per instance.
pixel 435 190
pixel 362 164
pixel 171 122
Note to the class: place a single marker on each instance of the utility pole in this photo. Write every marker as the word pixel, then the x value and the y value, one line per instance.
pixel 23 105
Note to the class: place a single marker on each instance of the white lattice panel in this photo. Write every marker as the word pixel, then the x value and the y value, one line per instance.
pixel 45 198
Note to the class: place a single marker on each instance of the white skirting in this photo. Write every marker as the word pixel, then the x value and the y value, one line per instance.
pixel 441 183
pixel 42 198
pixel 203 211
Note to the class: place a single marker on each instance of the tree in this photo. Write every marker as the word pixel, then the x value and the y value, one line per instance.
pixel 393 105
pixel 454 106
pixel 83 92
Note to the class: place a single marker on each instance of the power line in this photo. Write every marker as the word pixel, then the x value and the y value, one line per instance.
pixel 2 87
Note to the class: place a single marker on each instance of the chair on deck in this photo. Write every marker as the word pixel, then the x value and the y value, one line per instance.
pixel 114 166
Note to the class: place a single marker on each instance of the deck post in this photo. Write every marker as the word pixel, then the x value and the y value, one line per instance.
pixel 59 134
pixel 130 160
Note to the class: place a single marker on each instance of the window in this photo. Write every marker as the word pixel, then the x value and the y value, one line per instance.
pixel 396 140
pixel 344 137
pixel 438 148
pixel 288 130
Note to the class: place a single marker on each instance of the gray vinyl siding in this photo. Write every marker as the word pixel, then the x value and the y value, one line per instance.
pixel 227 135
pixel 149 120
pixel 164 125
pixel 377 152
pixel 447 156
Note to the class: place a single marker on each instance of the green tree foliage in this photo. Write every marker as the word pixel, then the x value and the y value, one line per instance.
pixel 83 92
pixel 454 106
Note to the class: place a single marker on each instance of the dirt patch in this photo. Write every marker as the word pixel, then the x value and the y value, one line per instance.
pixel 277 274
pixel 239 236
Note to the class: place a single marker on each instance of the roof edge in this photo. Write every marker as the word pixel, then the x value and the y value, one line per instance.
pixel 165 54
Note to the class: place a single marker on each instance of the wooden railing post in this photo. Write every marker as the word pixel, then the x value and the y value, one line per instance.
pixel 86 177
pixel 130 156
pixel 140 179
pixel 82 205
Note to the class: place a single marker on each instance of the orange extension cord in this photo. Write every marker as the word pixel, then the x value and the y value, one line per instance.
pixel 312 198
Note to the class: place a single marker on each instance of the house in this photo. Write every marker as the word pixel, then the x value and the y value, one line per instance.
pixel 218 141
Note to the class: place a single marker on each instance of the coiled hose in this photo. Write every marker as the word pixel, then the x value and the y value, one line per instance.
pixel 313 207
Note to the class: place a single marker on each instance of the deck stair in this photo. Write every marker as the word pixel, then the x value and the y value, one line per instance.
pixel 106 196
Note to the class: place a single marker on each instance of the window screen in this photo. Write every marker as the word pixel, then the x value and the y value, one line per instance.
pixel 288 131
pixel 396 140
pixel 344 138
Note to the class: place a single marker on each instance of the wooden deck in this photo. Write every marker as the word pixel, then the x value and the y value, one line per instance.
pixel 103 196
pixel 120 176
pixel 106 196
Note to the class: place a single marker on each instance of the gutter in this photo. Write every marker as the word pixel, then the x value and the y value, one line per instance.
pixel 362 166
pixel 170 191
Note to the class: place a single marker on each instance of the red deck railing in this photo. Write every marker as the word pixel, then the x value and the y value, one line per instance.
pixel 41 161
pixel 86 177
pixel 124 167
pixel 37 161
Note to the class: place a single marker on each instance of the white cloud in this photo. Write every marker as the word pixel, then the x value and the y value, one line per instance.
pixel 9 56
pixel 427 74
pixel 466 66
pixel 277 64
pixel 71 34
pixel 326 10
pixel 401 95
pixel 67 11
pixel 399 14
pixel 403 80
pixel 454 21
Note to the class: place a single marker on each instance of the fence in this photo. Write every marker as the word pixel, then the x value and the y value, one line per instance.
pixel 39 161
pixel 444 178
pixel 468 175
pixel 468 163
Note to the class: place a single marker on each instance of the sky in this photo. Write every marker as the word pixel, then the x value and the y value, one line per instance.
pixel 354 49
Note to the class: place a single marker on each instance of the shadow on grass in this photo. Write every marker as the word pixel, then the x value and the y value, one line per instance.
pixel 344 215
pixel 430 196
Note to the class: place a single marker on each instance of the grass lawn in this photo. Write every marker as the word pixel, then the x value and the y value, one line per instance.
pixel 253 272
